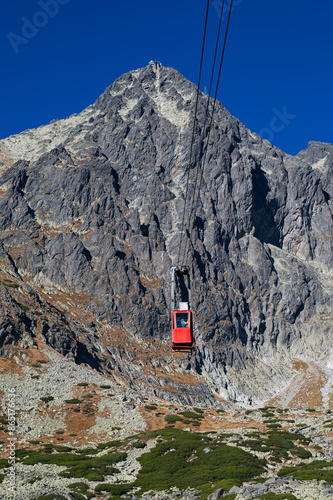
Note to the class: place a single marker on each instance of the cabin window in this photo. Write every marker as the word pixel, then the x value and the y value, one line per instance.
pixel 182 320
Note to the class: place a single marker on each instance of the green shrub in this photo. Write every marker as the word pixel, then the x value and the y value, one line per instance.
pixel 47 399
pixel 35 377
pixel 80 491
pixel 150 407
pixel 313 470
pixel 73 401
pixel 78 487
pixel 91 475
pixel 139 445
pixel 78 465
pixel 226 484
pixel 23 307
pixel 191 414
pixel 23 452
pixel 64 448
pixel 166 465
pixel 88 451
pixel 279 443
pixel 105 386
pixel 42 361
pixel 114 489
pixel 82 384
pixel 35 480
pixel 302 453
pixel 171 419
pixel 48 446
pixel 109 444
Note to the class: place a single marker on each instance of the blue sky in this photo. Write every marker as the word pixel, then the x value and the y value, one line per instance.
pixel 58 56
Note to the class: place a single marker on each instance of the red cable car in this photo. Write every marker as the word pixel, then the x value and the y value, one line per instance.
pixel 181 319
pixel 182 330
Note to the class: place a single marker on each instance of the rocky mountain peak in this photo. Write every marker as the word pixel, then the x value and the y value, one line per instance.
pixel 91 211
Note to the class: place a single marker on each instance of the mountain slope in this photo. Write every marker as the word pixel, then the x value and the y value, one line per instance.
pixel 91 211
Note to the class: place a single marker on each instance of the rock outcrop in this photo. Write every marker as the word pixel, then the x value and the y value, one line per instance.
pixel 91 212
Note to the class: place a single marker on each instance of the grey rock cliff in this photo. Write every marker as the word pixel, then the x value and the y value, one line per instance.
pixel 92 207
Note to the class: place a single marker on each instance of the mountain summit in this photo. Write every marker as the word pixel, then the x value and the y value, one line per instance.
pixel 91 213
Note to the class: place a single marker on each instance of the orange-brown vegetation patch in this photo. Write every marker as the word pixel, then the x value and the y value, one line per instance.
pixel 55 296
pixel 185 378
pixel 66 302
pixel 227 421
pixel 11 366
pixel 153 421
pixel 78 417
pixel 212 421
pixel 36 354
pixel 151 283
pixel 117 336
pixel 304 388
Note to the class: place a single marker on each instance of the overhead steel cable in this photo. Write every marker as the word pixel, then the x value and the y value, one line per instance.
pixel 193 131
pixel 206 115
pixel 191 227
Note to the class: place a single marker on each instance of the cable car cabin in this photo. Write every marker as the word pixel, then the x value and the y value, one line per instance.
pixel 182 330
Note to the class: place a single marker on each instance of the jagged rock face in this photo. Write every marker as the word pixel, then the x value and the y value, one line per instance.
pixel 93 205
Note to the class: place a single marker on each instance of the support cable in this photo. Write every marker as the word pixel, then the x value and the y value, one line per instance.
pixel 193 131
pixel 209 130
pixel 206 116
